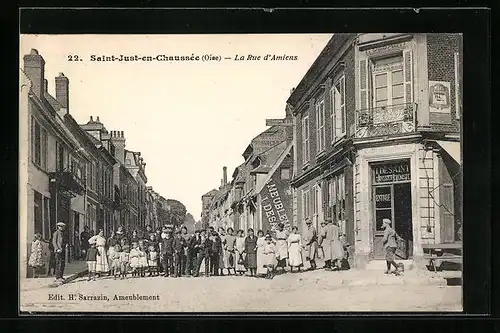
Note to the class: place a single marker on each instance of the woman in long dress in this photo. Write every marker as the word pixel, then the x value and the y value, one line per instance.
pixel 281 246
pixel 337 250
pixel 239 253
pixel 294 249
pixel 261 258
pixel 102 265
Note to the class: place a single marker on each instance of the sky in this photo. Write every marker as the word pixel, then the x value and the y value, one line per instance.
pixel 188 119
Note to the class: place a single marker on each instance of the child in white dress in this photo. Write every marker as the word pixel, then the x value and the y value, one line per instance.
pixel 134 259
pixel 269 252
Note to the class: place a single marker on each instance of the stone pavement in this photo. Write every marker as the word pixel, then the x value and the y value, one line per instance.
pixel 72 270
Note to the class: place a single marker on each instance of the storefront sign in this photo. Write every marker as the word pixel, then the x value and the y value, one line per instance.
pixel 393 172
pixel 439 96
pixel 276 203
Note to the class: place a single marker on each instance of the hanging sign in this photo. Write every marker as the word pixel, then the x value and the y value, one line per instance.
pixel 393 172
pixel 439 96
pixel 276 202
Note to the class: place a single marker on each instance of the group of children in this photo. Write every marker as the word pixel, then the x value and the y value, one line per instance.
pixel 134 259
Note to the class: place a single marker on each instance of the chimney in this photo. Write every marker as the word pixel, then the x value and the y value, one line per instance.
pixel 34 68
pixel 224 175
pixel 118 142
pixel 97 120
pixel 62 90
pixel 45 85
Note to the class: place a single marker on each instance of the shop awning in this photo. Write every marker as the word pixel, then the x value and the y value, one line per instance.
pixel 452 148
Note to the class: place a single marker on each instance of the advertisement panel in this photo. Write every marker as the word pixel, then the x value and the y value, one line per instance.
pixel 276 201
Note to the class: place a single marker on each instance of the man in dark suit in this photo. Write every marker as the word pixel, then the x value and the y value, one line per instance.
pixel 204 253
pixel 178 245
pixel 59 244
pixel 215 253
pixel 167 254
pixel 193 251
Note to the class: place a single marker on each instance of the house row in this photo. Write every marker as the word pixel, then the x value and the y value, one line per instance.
pixel 375 134
pixel 79 174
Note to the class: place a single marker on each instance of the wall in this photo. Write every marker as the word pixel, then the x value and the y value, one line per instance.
pixel 440 59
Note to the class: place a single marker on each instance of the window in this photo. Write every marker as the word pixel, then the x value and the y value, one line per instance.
pixel 305 204
pixel 388 81
pixel 39 144
pixel 305 139
pixel 320 126
pixel 60 157
pixel 316 200
pixel 93 182
pixel 38 212
pixel 285 173
pixel 337 102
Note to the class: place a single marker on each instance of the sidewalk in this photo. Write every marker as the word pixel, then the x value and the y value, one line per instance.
pixel 71 271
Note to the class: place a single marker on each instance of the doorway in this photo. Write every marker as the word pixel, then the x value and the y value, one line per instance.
pixel 391 197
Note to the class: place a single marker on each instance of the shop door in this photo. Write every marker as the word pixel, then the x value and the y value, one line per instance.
pixel 393 202
pixel 403 220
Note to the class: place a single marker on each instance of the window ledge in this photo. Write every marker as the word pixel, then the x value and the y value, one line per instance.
pixel 306 165
pixel 321 153
pixel 338 141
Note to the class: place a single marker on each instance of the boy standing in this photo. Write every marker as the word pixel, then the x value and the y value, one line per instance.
pixel 91 259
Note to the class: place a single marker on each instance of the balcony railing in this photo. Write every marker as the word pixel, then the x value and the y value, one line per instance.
pixel 386 120
pixel 68 181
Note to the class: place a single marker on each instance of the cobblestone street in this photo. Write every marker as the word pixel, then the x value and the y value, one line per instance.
pixel 311 291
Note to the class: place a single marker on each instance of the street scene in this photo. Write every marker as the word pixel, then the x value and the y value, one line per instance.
pixel 339 166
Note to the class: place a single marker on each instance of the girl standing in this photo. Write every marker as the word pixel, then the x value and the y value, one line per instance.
pixel 251 252
pixel 239 253
pixel 269 253
pixel 294 249
pixel 261 258
pixel 134 259
pixel 115 261
pixel 36 256
pixel 153 261
pixel 143 259
pixel 124 261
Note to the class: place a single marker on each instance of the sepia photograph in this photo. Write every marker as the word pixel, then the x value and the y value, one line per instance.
pixel 232 173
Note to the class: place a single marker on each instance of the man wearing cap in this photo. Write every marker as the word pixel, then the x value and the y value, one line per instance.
pixel 390 245
pixel 59 244
pixel 311 244
pixel 167 254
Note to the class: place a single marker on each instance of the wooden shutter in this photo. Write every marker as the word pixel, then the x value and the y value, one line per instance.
pixel 446 207
pixel 408 75
pixel 363 84
pixel 342 105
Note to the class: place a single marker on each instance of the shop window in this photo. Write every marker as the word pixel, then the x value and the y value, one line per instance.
pixel 285 174
pixel 336 198
pixel 46 219
pixel 320 126
pixel 305 139
pixel 338 115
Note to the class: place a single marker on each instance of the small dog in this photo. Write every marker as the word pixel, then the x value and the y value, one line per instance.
pixel 401 268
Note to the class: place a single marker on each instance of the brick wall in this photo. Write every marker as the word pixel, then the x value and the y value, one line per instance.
pixel 441 67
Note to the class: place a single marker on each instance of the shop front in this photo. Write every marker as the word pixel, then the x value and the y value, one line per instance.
pixel 392 199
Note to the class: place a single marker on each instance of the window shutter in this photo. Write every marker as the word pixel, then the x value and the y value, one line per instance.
pixel 342 108
pixel 363 84
pixel 408 75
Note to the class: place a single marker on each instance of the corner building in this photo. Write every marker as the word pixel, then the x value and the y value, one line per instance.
pixel 399 96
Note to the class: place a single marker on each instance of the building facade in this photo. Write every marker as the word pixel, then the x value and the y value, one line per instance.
pixel 377 135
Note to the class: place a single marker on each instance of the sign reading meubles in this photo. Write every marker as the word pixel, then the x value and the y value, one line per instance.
pixel 276 203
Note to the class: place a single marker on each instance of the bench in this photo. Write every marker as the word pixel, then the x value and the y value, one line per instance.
pixel 435 253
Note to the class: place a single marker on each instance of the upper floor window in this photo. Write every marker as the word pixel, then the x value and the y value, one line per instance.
pixel 388 81
pixel 306 212
pixel 93 183
pixel 337 102
pixel 305 139
pixel 320 126
pixel 39 144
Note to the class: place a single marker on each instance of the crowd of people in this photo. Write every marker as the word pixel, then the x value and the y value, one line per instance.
pixel 173 252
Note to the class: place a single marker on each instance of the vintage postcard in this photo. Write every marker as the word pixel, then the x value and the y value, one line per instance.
pixel 240 173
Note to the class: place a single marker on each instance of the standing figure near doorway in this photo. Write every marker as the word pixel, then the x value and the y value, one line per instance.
pixel 311 244
pixel 390 245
